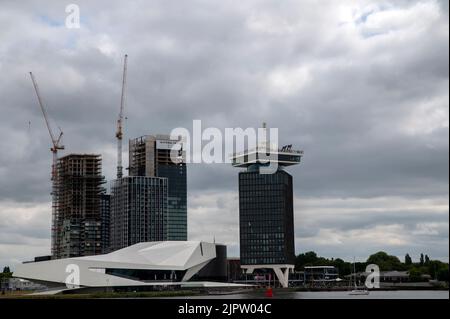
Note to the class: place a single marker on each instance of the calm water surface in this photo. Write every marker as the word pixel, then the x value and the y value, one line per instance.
pixel 400 294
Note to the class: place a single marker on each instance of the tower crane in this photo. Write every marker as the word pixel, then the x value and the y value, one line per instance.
pixel 56 145
pixel 119 133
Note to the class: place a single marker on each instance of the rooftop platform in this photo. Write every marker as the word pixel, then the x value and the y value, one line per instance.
pixel 284 156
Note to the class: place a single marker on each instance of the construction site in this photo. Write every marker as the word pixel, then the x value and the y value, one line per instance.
pixel 159 156
pixel 147 205
pixel 78 212
pixel 80 219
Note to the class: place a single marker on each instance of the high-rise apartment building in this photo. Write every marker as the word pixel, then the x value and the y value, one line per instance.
pixel 138 210
pixel 78 206
pixel 105 213
pixel 151 156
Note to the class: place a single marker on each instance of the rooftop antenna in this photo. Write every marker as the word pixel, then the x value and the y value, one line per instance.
pixel 264 143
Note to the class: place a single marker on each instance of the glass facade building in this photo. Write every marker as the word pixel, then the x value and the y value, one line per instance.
pixel 177 200
pixel 105 213
pixel 138 210
pixel 266 218
pixel 150 155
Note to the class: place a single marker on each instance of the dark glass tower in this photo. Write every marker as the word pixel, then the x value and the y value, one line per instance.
pixel 177 200
pixel 266 218
pixel 266 213
pixel 150 155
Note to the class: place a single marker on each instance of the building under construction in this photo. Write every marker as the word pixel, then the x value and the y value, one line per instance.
pixel 163 156
pixel 78 219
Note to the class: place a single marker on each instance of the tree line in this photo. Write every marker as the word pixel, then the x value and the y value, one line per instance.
pixel 436 269
pixel 5 274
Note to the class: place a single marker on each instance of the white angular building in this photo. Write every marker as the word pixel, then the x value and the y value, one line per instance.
pixel 143 264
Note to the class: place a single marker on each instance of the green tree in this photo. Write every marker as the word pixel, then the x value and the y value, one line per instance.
pixel 442 273
pixel 438 270
pixel 385 261
pixel 306 259
pixel 310 258
pixel 5 274
pixel 433 268
pixel 344 268
pixel 408 260
pixel 415 274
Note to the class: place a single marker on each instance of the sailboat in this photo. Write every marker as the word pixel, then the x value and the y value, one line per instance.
pixel 356 290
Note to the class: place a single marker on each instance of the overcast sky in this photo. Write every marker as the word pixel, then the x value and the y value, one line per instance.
pixel 360 86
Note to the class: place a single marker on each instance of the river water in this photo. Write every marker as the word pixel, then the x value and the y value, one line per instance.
pixel 399 294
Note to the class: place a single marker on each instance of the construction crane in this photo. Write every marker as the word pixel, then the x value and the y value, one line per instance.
pixel 56 145
pixel 119 133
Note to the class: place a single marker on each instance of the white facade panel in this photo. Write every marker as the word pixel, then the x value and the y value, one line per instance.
pixel 90 271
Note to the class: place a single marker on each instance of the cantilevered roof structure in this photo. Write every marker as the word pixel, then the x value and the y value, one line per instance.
pixel 262 154
pixel 143 264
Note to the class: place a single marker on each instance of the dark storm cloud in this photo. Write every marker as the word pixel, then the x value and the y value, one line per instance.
pixel 362 87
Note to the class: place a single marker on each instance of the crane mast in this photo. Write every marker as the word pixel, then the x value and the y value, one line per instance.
pixel 56 145
pixel 119 133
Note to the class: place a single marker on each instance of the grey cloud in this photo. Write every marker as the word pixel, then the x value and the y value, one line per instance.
pixel 370 112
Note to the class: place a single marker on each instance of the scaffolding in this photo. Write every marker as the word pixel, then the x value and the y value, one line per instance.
pixel 78 206
pixel 142 156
